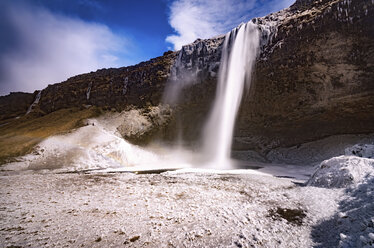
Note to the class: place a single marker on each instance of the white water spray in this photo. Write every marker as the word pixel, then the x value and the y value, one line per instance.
pixel 238 57
pixel 100 146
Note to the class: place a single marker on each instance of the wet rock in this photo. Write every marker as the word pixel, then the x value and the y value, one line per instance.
pixel 310 87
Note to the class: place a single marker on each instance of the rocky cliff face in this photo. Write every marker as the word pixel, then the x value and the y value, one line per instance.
pixel 15 104
pixel 313 78
pixel 140 85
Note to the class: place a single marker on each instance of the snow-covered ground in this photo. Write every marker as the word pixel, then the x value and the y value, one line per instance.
pixel 80 189
pixel 173 209
pixel 98 145
pixel 183 208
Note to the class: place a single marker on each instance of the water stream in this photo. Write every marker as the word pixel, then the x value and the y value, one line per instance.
pixel 238 57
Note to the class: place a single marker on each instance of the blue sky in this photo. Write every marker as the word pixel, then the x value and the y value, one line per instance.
pixel 46 41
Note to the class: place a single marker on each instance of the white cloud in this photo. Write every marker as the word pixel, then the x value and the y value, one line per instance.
pixel 192 19
pixel 51 48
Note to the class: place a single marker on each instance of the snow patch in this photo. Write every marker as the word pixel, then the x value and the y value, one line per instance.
pixel 360 150
pixel 342 171
pixel 91 147
pixel 125 85
pixel 317 151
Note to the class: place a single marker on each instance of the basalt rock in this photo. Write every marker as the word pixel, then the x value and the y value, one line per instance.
pixel 313 78
pixel 140 85
pixel 15 104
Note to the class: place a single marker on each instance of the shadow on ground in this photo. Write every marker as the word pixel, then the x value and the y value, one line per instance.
pixel 353 223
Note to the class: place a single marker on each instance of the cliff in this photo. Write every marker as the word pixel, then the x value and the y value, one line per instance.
pixel 313 78
pixel 140 85
pixel 15 104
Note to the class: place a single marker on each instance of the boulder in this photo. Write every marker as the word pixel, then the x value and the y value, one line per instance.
pixel 140 126
pixel 342 171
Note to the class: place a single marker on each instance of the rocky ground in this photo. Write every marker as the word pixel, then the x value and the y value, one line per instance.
pixel 159 210
pixel 89 187
pixel 185 208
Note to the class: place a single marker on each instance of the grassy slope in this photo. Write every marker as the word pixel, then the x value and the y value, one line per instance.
pixel 19 136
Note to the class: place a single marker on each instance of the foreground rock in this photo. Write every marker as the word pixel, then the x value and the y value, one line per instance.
pixel 353 224
pixel 356 167
pixel 343 171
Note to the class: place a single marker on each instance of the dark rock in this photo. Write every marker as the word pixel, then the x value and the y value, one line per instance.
pixel 140 85
pixel 15 104
pixel 293 216
pixel 313 79
pixel 135 238
pixel 318 83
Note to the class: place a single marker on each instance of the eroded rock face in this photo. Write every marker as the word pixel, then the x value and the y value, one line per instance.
pixel 318 79
pixel 140 85
pixel 15 104
pixel 313 78
pixel 140 126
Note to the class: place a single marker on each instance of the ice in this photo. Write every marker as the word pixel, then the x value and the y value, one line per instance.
pixel 188 207
pixel 316 151
pixel 357 166
pixel 371 236
pixel 88 148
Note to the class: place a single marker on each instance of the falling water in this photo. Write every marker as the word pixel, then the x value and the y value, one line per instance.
pixel 36 101
pixel 238 56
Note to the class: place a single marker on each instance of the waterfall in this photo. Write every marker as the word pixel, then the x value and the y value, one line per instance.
pixel 89 91
pixel 36 101
pixel 238 57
